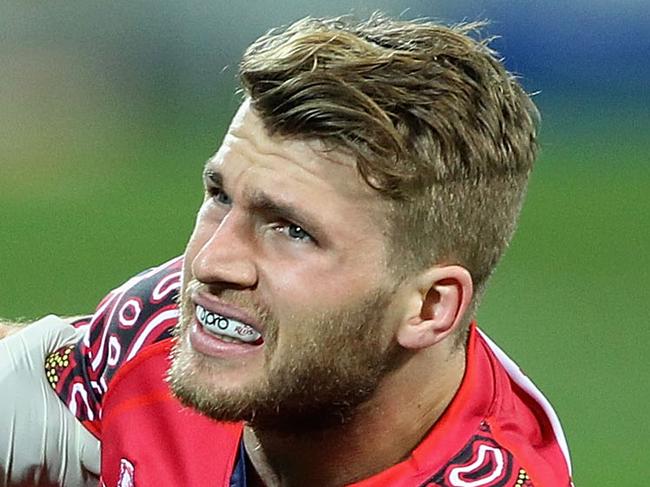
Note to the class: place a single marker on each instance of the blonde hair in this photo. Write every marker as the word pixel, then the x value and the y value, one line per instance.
pixel 436 124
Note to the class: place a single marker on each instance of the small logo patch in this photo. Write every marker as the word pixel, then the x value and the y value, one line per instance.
pixel 127 474
pixel 481 463
pixel 483 469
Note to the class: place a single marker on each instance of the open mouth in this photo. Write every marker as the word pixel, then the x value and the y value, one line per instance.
pixel 227 329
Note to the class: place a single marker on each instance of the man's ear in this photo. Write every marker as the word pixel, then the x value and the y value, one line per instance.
pixel 436 304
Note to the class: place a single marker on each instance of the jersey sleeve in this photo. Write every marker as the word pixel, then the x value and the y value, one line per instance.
pixel 140 312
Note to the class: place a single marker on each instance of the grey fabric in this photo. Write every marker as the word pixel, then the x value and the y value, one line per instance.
pixel 41 442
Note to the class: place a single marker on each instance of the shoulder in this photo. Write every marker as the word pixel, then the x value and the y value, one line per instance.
pixel 484 461
pixel 139 313
pixel 522 423
pixel 498 431
pixel 505 433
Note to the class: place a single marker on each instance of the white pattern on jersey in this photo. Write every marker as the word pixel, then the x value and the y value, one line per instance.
pixel 516 374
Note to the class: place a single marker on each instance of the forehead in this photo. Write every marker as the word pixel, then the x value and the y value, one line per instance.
pixel 250 159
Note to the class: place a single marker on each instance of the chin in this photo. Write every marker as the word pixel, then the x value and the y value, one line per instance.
pixel 217 391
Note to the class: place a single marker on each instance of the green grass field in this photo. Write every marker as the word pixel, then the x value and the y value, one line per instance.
pixel 569 302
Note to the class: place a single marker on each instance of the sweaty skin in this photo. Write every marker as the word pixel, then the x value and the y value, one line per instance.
pixel 292 233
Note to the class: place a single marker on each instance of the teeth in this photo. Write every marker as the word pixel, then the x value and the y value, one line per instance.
pixel 227 329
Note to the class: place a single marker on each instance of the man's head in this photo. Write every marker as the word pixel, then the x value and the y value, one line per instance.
pixel 434 121
pixel 368 184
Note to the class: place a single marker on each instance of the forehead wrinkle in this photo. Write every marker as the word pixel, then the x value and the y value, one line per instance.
pixel 285 152
pixel 307 153
pixel 248 124
pixel 303 159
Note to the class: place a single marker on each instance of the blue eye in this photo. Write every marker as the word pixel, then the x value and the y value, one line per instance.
pixel 294 232
pixel 297 233
pixel 220 196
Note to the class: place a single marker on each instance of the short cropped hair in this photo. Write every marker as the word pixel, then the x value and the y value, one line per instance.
pixel 434 121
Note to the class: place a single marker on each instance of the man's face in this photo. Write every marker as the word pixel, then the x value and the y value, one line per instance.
pixel 287 308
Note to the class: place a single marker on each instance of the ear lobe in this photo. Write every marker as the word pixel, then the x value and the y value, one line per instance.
pixel 437 307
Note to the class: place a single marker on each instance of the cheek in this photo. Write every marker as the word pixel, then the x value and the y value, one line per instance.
pixel 320 287
pixel 196 242
pixel 204 227
pixel 193 247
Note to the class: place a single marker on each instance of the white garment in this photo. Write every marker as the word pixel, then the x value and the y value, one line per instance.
pixel 41 442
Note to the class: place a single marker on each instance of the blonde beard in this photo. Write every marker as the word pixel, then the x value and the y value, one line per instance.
pixel 334 365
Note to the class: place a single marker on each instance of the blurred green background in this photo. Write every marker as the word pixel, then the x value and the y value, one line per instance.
pixel 108 110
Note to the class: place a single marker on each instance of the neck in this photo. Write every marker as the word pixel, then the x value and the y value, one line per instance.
pixel 382 432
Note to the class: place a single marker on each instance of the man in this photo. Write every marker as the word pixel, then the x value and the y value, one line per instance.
pixel 361 198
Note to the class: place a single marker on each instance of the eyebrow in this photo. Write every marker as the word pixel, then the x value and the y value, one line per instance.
pixel 214 176
pixel 260 202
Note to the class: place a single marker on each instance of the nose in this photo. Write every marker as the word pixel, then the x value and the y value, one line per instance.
pixel 226 257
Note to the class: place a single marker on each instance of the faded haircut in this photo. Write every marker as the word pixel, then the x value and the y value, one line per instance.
pixel 435 122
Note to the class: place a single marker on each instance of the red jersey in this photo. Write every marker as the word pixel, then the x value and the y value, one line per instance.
pixel 499 430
